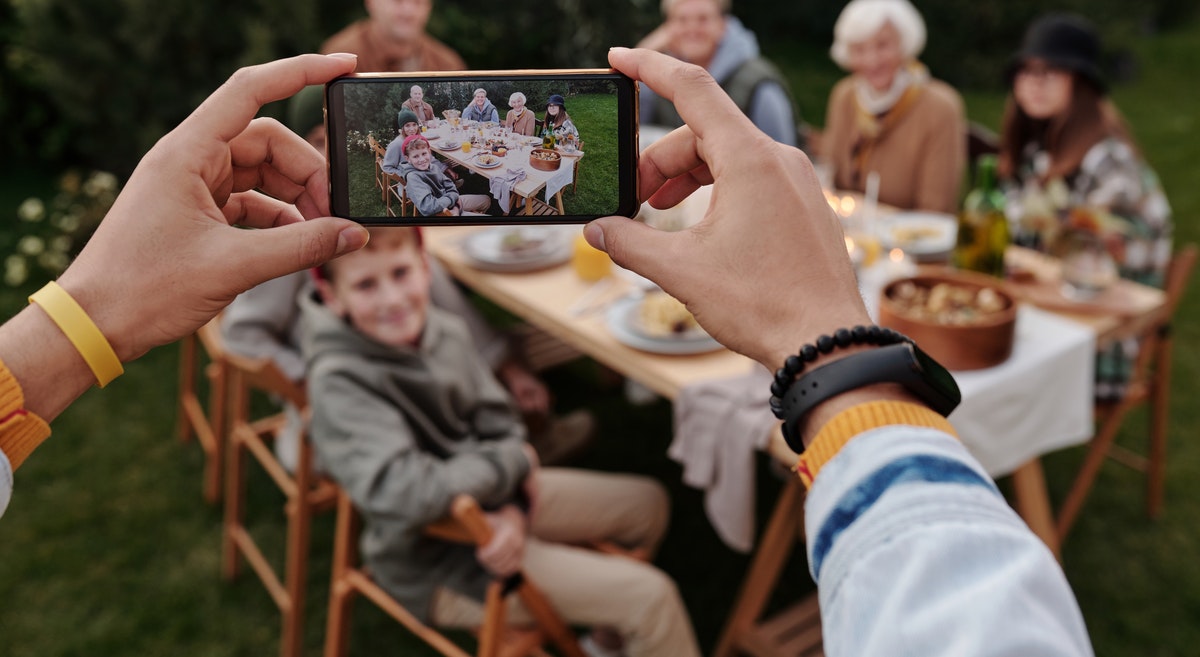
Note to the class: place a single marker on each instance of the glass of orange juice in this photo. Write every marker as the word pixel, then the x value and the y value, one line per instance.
pixel 590 263
pixel 466 147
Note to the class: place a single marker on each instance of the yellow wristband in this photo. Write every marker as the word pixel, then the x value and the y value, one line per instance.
pixel 80 330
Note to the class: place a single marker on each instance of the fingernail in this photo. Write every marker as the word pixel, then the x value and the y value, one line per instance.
pixel 616 48
pixel 594 234
pixel 350 239
pixel 343 55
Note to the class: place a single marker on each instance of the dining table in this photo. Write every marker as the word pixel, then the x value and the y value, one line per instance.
pixel 1037 401
pixel 511 169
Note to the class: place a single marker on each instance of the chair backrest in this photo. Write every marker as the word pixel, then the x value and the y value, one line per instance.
pixel 376 147
pixel 1179 272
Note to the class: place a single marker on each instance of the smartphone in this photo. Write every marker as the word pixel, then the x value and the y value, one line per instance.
pixel 482 147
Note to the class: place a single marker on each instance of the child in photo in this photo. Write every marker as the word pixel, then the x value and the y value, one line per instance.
pixel 430 189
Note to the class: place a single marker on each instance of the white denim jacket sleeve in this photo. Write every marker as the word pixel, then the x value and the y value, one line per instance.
pixel 6 482
pixel 915 552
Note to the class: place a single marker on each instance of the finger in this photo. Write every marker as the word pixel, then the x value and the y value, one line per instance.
pixel 634 245
pixel 255 210
pixel 268 156
pixel 227 111
pixel 700 101
pixel 667 158
pixel 265 254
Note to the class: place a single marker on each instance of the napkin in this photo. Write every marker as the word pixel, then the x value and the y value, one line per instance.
pixel 501 186
pixel 719 425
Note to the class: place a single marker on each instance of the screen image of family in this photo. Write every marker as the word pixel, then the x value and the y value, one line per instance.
pixel 481 147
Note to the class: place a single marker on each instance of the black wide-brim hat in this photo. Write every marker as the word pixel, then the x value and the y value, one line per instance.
pixel 1064 41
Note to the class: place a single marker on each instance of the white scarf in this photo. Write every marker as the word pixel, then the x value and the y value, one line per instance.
pixel 876 103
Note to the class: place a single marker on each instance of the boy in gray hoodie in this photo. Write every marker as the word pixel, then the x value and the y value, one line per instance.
pixel 431 190
pixel 406 415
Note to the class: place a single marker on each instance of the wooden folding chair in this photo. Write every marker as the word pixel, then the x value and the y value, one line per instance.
pixel 380 176
pixel 466 524
pixel 793 632
pixel 1150 384
pixel 306 493
pixel 208 427
pixel 397 194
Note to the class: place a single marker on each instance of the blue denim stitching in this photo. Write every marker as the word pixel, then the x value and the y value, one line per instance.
pixel 856 501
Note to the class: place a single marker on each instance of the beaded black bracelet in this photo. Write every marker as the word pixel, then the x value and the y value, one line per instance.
pixel 841 338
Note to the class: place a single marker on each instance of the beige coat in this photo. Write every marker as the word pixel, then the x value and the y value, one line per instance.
pixel 920 158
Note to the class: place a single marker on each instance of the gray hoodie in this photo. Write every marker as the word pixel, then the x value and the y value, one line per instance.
pixel 404 431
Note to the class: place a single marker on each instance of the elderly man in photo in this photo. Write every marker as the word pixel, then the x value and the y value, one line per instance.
pixel 393 38
pixel 417 105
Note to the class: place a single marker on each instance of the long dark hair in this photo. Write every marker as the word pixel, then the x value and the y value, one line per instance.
pixel 555 121
pixel 1091 118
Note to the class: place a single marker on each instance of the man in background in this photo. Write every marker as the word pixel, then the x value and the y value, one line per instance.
pixel 393 38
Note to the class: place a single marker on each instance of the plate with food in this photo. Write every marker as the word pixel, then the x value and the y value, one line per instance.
pixel 448 145
pixel 518 248
pixel 658 323
pixel 923 235
pixel 487 161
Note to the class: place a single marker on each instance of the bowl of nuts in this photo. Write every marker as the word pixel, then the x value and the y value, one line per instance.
pixel 964 320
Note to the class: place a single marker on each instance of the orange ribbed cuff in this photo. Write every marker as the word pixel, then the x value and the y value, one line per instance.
pixel 20 431
pixel 857 419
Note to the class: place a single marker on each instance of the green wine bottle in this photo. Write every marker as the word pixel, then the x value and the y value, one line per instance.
pixel 982 225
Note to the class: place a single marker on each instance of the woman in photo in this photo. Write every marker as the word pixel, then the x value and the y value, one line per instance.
pixel 519 119
pixel 558 122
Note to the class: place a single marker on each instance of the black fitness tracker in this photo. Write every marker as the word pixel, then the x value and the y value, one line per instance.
pixel 901 363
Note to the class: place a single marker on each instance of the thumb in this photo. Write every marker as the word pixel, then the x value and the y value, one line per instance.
pixel 633 245
pixel 273 252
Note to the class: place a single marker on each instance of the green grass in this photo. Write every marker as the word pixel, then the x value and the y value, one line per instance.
pixel 108 549
pixel 593 115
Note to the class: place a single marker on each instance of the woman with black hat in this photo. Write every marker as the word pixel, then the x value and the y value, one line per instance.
pixel 1074 172
pixel 1070 159
pixel 558 122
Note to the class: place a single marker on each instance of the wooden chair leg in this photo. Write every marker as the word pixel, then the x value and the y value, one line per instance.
pixel 491 633
pixel 187 385
pixel 234 484
pixel 1097 452
pixel 772 554
pixel 341 593
pixel 1160 397
pixel 214 441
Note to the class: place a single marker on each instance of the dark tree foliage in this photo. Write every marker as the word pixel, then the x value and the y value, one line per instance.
pixel 95 83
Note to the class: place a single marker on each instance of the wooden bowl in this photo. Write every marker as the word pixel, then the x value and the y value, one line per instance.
pixel 982 342
pixel 549 159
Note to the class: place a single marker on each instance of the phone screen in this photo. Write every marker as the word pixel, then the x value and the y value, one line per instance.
pixel 482 147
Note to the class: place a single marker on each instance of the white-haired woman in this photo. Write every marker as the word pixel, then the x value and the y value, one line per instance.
pixel 889 116
pixel 520 119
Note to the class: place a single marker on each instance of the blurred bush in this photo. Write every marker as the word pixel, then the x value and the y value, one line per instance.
pixel 94 83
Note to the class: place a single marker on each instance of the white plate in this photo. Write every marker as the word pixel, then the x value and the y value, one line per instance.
pixel 622 319
pixel 483 248
pixel 938 232
pixel 449 146
pixel 499 161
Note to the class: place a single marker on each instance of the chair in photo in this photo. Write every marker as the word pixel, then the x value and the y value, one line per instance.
pixel 380 176
pixel 396 194
pixel 466 524
pixel 1149 385
pixel 306 492
pixel 204 352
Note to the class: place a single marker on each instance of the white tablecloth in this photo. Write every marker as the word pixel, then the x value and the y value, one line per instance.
pixel 1037 401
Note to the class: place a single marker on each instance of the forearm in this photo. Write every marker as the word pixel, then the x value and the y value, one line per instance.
pixel 47 366
pixel 916 552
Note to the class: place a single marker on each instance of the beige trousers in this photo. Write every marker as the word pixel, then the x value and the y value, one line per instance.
pixel 587 587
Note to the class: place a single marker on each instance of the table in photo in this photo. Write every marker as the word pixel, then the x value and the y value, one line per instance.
pixel 535 181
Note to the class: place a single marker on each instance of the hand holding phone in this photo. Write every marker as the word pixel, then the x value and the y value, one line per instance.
pixel 512 147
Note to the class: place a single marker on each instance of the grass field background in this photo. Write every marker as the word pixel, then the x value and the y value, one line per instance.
pixel 107 548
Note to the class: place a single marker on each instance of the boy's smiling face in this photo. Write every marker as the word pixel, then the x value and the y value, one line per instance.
pixel 383 289
pixel 419 155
